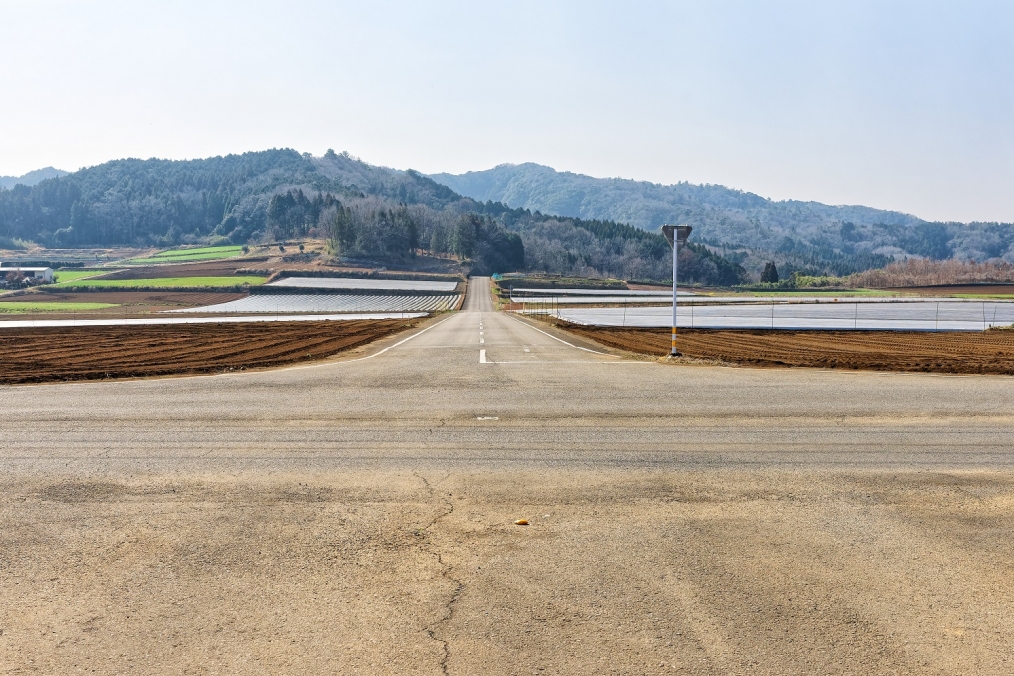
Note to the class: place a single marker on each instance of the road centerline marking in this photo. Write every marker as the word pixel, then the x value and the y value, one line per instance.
pixel 482 357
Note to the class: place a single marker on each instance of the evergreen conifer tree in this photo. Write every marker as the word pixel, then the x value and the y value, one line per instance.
pixel 770 274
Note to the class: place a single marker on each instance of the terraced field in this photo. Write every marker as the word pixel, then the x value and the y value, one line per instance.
pixel 24 307
pixel 68 276
pixel 912 314
pixel 415 286
pixel 334 303
pixel 169 282
pixel 187 255
pixel 103 302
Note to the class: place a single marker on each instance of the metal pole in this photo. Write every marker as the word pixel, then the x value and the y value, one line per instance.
pixel 675 234
pixel 675 252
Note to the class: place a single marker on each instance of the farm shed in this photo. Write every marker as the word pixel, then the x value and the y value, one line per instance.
pixel 45 274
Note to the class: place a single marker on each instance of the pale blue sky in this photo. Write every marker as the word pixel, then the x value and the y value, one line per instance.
pixel 900 105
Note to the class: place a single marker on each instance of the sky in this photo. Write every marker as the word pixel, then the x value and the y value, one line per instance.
pixel 897 105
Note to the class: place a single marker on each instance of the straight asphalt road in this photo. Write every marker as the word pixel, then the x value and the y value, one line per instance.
pixel 357 515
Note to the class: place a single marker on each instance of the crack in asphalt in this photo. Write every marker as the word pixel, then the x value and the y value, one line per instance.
pixel 445 573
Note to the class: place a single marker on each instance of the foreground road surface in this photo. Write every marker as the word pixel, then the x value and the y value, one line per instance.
pixel 357 516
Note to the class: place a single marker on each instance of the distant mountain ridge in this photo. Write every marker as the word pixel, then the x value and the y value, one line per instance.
pixel 567 223
pixel 366 212
pixel 805 235
pixel 31 178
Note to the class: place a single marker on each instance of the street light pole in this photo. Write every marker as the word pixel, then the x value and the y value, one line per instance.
pixel 677 235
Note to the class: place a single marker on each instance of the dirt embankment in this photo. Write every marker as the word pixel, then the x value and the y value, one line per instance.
pixel 90 353
pixel 987 352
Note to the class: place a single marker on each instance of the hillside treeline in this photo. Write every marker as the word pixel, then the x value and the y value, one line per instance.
pixel 365 212
pixel 808 237
pixel 578 247
pixel 925 272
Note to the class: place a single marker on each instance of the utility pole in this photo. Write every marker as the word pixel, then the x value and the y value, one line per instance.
pixel 677 235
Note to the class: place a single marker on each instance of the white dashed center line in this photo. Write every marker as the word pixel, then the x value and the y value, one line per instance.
pixel 482 341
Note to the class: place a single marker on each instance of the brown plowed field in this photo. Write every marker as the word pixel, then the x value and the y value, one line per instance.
pixel 987 352
pixel 127 303
pixel 89 353
pixel 168 299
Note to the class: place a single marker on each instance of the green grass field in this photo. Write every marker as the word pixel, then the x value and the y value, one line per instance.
pixel 208 253
pixel 169 282
pixel 63 276
pixel 9 307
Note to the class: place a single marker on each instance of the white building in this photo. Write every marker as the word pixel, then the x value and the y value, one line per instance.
pixel 45 274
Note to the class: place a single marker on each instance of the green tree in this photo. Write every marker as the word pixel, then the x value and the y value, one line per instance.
pixel 463 236
pixel 341 229
pixel 438 240
pixel 770 274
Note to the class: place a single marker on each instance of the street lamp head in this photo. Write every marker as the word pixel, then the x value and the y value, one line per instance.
pixel 677 233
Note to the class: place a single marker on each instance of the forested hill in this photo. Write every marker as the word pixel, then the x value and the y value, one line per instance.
pixel 31 178
pixel 365 211
pixel 806 235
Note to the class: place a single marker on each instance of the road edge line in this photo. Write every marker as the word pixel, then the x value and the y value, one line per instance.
pixel 576 347
pixel 349 361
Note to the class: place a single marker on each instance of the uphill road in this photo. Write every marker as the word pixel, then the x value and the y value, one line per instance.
pixel 357 515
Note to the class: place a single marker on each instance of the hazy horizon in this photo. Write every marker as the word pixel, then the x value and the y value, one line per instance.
pixel 900 106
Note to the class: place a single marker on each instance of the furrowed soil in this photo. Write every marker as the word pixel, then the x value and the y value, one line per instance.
pixel 133 303
pixel 988 352
pixel 91 353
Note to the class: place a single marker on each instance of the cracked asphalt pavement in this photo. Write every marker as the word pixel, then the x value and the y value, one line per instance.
pixel 357 516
